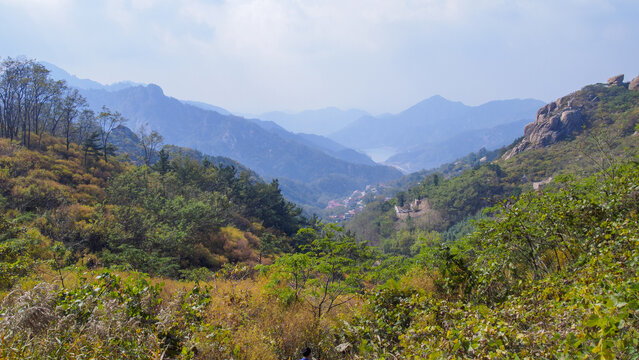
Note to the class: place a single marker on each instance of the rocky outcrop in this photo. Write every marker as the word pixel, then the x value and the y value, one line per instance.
pixel 555 122
pixel 616 80
pixel 566 116
pixel 539 184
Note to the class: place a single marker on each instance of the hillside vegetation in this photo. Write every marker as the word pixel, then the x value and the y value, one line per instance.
pixel 551 275
pixel 186 259
pixel 171 219
pixel 179 216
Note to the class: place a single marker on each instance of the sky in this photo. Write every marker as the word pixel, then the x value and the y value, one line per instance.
pixel 382 56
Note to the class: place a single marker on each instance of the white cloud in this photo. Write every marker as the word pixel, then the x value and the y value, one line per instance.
pixel 46 11
pixel 305 53
pixel 294 30
pixel 144 4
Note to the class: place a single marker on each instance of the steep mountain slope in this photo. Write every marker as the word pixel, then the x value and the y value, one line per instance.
pixel 432 121
pixel 127 143
pixel 264 151
pixel 429 156
pixel 206 106
pixel 322 121
pixel 318 142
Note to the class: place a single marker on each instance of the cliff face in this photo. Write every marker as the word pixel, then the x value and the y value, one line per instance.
pixel 562 118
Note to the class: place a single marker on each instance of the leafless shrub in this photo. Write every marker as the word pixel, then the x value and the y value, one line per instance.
pixel 28 312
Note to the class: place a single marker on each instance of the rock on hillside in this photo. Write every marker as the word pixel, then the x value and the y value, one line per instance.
pixel 560 119
pixel 616 80
pixel 555 122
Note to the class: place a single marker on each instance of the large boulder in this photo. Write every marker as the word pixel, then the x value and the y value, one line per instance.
pixel 634 84
pixel 553 127
pixel 616 80
pixel 555 122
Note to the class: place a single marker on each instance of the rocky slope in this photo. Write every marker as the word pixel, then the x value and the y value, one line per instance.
pixel 563 118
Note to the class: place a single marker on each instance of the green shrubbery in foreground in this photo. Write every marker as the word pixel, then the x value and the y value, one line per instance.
pixel 551 275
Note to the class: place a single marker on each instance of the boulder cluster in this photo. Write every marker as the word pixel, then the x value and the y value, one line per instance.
pixel 559 119
pixel 618 81
pixel 554 122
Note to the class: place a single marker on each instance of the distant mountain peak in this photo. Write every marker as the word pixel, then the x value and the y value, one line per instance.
pixel 155 89
pixel 416 131
pixel 435 103
pixel 437 98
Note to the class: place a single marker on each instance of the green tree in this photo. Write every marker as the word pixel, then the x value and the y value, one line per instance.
pixel 108 120
pixel 150 141
pixel 162 166
pixel 91 146
pixel 328 273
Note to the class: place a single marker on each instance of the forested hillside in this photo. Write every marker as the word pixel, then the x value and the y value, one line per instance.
pixel 551 274
pixel 176 216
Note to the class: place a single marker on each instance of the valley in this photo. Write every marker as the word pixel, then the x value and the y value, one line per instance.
pixel 319 180
pixel 134 224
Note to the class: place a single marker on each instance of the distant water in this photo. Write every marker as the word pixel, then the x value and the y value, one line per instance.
pixel 380 154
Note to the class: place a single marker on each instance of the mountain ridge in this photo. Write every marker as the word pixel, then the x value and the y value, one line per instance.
pixel 263 151
pixel 319 121
pixel 431 121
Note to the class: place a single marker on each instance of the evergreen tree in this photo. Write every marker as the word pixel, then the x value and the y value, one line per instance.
pixel 91 146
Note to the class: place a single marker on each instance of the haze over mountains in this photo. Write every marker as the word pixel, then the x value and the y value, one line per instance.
pixel 265 151
pixel 74 81
pixel 321 122
pixel 311 171
pixel 426 135
pixel 438 130
pixel 312 168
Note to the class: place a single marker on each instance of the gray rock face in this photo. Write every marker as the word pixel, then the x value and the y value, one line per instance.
pixel 555 122
pixel 616 80
pixel 634 84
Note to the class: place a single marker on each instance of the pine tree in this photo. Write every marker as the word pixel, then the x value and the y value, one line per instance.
pixel 91 145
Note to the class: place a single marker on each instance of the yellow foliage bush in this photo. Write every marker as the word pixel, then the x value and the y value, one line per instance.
pixel 89 193
pixel 43 174
pixel 239 245
pixel 30 193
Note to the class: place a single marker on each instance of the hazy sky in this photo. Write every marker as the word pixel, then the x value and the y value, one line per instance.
pixel 377 55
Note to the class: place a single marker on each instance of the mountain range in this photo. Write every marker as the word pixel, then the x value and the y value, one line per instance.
pixel 272 153
pixel 321 122
pixel 76 82
pixel 432 155
pixel 438 130
pixel 311 169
